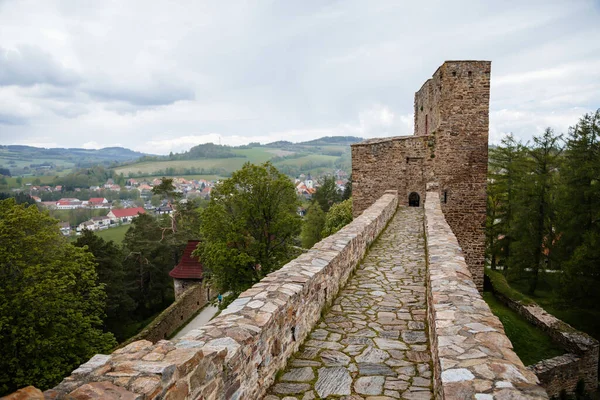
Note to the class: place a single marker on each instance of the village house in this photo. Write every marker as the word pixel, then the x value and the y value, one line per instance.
pixel 164 209
pixel 89 225
pixel 144 187
pixel 98 202
pixel 68 203
pixel 125 214
pixel 65 228
pixel 101 222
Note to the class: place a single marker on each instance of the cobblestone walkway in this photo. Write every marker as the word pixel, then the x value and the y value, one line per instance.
pixel 372 343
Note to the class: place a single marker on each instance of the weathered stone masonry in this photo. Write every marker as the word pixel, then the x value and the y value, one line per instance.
pixel 237 355
pixel 449 147
pixel 562 372
pixel 472 357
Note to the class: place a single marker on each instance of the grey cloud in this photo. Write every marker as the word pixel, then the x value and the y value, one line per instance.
pixel 154 92
pixel 10 119
pixel 29 65
pixel 269 68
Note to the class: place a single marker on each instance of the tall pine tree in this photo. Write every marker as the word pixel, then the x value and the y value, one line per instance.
pixel 579 224
pixel 533 215
pixel 506 169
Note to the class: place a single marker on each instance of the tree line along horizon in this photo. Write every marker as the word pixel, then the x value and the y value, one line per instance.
pixel 62 302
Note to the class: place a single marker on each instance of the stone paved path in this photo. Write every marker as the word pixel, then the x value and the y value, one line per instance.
pixel 372 343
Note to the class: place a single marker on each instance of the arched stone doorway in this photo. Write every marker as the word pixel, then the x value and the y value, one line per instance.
pixel 414 200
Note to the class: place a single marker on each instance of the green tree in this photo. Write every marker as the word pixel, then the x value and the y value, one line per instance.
pixel 507 167
pixel 155 200
pixel 327 194
pixel 249 226
pixel 533 217
pixel 166 190
pixel 51 306
pixel 579 202
pixel 19 180
pixel 312 226
pixel 338 216
pixel 109 266
pixel 347 189
pixel 493 224
pixel 148 260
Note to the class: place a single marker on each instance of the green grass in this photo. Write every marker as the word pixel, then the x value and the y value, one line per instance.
pixel 115 234
pixel 316 158
pixel 44 180
pixel 188 177
pixel 530 343
pixel 153 167
pixel 256 155
pixel 501 285
pixel 585 319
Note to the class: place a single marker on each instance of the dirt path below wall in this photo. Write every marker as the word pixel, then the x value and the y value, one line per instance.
pixel 373 340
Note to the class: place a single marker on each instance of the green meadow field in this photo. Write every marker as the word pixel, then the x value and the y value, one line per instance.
pixel 310 160
pixel 115 234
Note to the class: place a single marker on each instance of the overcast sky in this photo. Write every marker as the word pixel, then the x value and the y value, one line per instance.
pixel 160 76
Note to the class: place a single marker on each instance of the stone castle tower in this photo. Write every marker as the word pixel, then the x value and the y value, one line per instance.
pixel 449 148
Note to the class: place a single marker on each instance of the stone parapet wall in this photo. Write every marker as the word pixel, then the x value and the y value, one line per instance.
pixel 472 357
pixel 562 372
pixel 176 315
pixel 236 355
pixel 392 163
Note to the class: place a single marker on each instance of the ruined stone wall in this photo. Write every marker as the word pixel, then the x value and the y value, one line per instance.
pixel 426 108
pixel 461 154
pixel 176 315
pixel 471 354
pixel 562 372
pixel 393 163
pixel 450 147
pixel 237 354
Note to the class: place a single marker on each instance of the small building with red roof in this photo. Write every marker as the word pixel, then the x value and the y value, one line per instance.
pixel 125 214
pixel 189 270
pixel 98 202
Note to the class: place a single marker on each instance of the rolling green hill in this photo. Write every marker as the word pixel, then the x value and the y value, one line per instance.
pixel 28 160
pixel 315 157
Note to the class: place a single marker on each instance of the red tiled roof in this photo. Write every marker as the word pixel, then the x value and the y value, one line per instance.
pixel 128 212
pixel 96 200
pixel 189 267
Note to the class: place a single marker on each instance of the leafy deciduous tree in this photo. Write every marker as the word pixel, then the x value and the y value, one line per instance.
pixel 249 226
pixel 51 306
pixel 312 226
pixel 338 216
pixel 109 266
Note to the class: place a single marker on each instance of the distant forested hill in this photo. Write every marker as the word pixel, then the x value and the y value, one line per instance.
pixel 329 140
pixel 206 150
pixel 111 154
